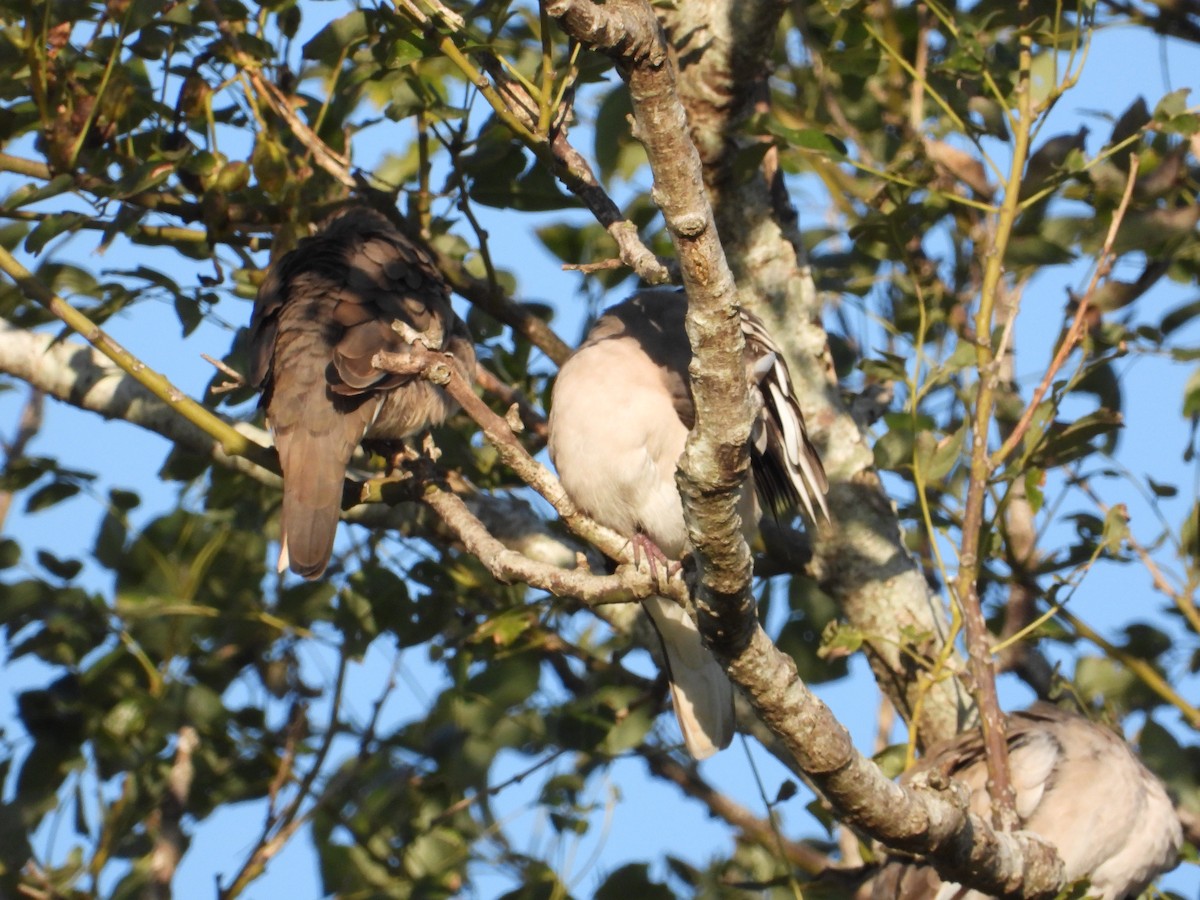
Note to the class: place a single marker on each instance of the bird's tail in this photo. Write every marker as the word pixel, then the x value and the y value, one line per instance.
pixel 700 689
pixel 313 475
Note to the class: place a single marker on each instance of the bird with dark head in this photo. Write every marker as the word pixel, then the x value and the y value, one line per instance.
pixel 355 288
pixel 620 413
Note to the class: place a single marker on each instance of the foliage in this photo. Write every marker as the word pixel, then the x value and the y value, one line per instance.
pixel 192 137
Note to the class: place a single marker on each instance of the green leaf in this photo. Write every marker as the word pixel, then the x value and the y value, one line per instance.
pixel 50 495
pixel 633 880
pixel 812 139
pixel 1099 678
pixel 504 629
pixel 1160 489
pixel 50 228
pixel 1116 529
pixel 945 454
pixel 1191 395
pixel 66 569
pixel 339 35
pixel 1180 316
pixel 1035 250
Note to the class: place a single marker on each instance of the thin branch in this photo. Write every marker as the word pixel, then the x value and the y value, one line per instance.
pixel 530 419
pixel 28 425
pixel 338 167
pixel 760 831
pixel 966 588
pixel 1075 331
pixel 169 842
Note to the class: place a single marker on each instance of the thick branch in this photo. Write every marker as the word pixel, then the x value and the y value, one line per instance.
pixel 862 561
pixel 85 378
pixel 715 459
pixel 932 823
pixel 713 465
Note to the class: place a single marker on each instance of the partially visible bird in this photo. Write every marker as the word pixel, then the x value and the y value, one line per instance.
pixel 356 287
pixel 1079 786
pixel 621 410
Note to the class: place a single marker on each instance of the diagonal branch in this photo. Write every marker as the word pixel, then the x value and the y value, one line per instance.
pixel 962 845
pixel 232 442
pixel 863 562
pixel 716 459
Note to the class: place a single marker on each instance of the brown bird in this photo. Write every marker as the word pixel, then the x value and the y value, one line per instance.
pixel 1079 786
pixel 620 413
pixel 356 287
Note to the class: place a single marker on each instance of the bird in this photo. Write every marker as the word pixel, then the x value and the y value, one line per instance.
pixel 620 412
pixel 356 287
pixel 1079 786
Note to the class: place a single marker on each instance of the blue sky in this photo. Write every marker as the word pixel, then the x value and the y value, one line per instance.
pixel 640 819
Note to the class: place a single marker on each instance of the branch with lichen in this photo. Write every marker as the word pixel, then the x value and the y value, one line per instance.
pixel 863 562
pixel 960 845
pixel 231 441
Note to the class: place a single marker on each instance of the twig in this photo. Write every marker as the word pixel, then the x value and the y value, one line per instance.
pixel 795 853
pixel 529 418
pixel 28 425
pixel 1075 332
pixel 1184 603
pixel 458 806
pixel 603 265
pixel 336 166
pixel 168 844
pixel 236 379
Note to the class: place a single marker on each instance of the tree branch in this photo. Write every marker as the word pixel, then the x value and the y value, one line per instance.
pixel 169 842
pixel 711 471
pixel 85 378
pixel 232 442
pixel 863 561
pixel 715 461
pixel 28 425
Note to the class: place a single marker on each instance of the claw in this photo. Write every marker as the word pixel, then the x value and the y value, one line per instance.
pixel 643 546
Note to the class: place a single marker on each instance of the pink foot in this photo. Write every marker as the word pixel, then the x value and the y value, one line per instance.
pixel 644 546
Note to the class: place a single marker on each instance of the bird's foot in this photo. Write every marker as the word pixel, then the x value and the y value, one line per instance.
pixel 394 453
pixel 645 548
